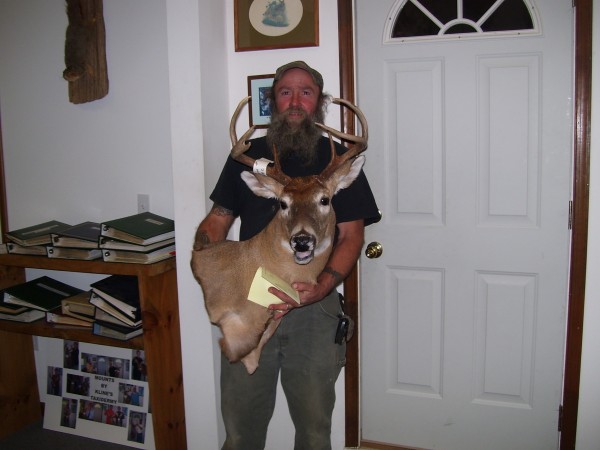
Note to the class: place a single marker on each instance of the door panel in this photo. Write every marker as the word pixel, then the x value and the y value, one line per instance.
pixel 463 316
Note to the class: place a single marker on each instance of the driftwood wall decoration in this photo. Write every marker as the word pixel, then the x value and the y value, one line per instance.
pixel 85 51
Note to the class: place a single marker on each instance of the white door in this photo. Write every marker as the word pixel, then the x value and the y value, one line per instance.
pixel 463 315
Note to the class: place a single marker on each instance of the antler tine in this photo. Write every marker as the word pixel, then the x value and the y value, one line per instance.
pixel 239 147
pixel 360 141
pixel 275 171
pixel 234 117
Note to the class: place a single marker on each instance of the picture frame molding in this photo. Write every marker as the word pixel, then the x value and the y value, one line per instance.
pixel 256 111
pixel 247 38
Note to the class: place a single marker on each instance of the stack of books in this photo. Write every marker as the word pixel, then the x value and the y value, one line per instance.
pixel 117 301
pixel 33 300
pixel 143 238
pixel 33 240
pixel 76 311
pixel 110 308
pixel 76 242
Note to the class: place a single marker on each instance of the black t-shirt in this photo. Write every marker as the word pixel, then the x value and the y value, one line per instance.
pixel 352 203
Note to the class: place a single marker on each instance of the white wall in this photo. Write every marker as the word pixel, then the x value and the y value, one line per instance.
pixel 192 75
pixel 174 81
pixel 89 161
pixel 588 431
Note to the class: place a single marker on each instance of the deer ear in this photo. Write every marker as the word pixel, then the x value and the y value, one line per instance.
pixel 346 173
pixel 262 185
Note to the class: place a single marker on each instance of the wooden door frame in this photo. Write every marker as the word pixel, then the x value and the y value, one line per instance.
pixel 579 222
pixel 3 203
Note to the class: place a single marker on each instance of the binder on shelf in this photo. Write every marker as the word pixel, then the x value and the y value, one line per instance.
pixel 126 256
pixel 99 302
pixel 63 319
pixel 84 254
pixel 28 316
pixel 121 291
pixel 115 244
pixel 102 316
pixel 43 293
pixel 10 308
pixel 36 250
pixel 142 229
pixel 79 306
pixel 83 235
pixel 115 331
pixel 37 234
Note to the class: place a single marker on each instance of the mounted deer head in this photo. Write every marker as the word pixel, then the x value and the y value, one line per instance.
pixel 295 245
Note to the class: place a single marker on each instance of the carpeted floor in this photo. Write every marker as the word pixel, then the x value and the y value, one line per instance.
pixel 35 437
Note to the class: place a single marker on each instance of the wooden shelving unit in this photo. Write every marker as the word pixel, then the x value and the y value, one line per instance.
pixel 19 396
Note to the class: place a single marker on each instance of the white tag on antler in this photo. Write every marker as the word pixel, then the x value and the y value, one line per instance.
pixel 260 166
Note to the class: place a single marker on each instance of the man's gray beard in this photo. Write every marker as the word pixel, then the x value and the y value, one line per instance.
pixel 298 141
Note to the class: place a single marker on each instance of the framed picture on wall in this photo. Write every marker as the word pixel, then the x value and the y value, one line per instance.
pixel 270 24
pixel 260 109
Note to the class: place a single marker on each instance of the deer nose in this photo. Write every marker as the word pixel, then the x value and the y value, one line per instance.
pixel 303 246
pixel 302 242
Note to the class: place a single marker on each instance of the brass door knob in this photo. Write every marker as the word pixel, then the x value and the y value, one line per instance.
pixel 374 250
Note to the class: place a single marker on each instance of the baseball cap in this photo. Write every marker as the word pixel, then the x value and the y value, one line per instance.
pixel 317 78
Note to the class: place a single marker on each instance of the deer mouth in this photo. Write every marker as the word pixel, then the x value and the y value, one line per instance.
pixel 303 246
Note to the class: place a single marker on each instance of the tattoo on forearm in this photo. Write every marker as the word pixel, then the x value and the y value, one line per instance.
pixel 220 211
pixel 338 277
pixel 202 239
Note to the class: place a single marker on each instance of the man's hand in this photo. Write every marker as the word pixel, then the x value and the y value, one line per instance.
pixel 309 293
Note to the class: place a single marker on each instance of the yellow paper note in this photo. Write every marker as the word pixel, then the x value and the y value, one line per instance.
pixel 263 280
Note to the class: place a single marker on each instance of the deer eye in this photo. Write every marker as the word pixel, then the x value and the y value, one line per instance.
pixel 283 205
pixel 324 201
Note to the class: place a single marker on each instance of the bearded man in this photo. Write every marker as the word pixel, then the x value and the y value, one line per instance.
pixel 303 350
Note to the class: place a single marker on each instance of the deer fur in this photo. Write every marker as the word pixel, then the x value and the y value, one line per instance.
pixel 295 245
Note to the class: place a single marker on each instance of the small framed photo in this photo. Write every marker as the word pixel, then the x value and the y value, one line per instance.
pixel 260 109
pixel 270 24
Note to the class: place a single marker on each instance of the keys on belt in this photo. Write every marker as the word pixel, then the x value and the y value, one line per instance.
pixel 345 326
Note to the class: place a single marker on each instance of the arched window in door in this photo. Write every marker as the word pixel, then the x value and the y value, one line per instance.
pixel 411 20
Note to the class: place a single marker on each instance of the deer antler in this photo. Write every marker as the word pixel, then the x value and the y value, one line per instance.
pixel 359 141
pixel 263 166
pixel 241 146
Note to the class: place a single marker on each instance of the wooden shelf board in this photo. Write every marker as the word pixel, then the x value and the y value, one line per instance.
pixel 96 266
pixel 41 328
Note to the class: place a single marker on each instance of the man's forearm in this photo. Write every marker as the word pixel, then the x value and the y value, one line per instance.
pixel 214 227
pixel 344 255
pixel 339 266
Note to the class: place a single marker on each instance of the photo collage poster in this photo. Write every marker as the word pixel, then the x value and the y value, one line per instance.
pixel 98 392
